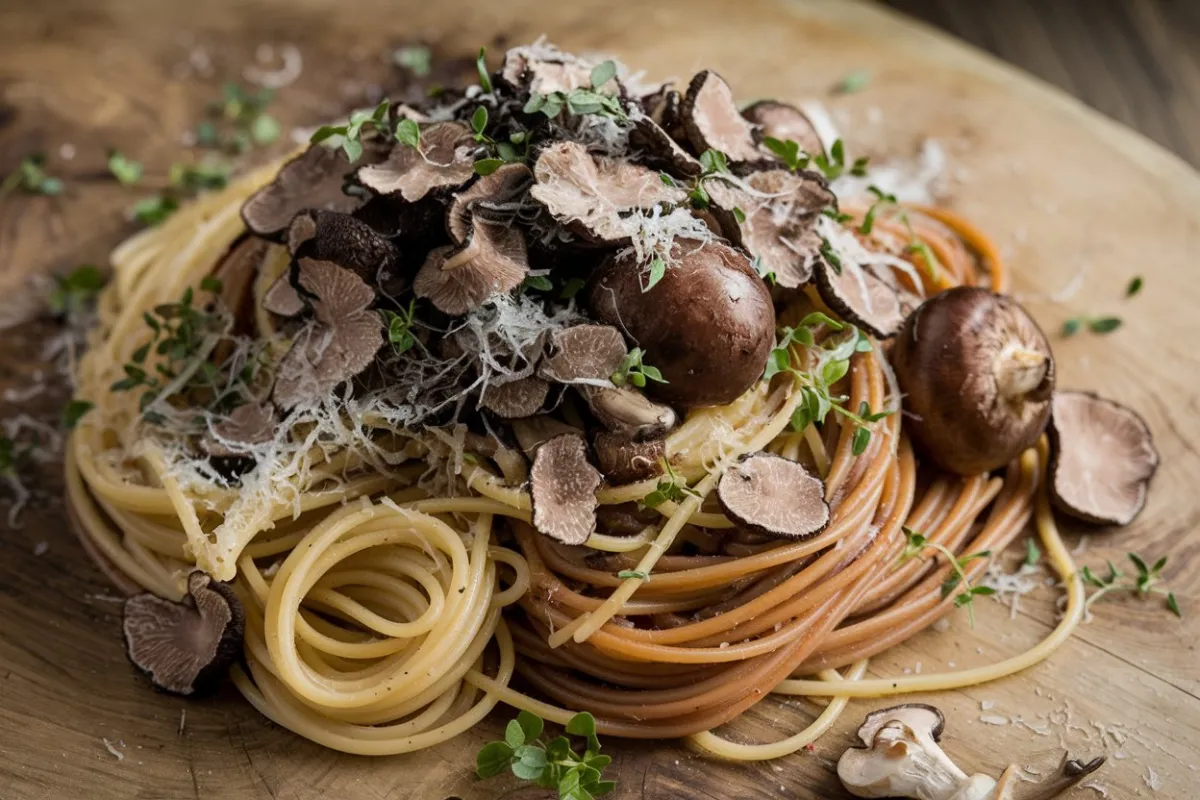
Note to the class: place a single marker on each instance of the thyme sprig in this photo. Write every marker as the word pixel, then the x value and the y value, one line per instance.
pixel 634 370
pixel 1142 584
pixel 553 764
pixel 958 583
pixel 672 487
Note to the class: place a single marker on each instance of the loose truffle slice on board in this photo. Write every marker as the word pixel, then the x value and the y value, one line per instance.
pixel 773 496
pixel 1103 458
pixel 186 647
pixel 444 158
pixel 312 180
pixel 563 488
pixel 784 122
pixel 712 121
pixel 860 297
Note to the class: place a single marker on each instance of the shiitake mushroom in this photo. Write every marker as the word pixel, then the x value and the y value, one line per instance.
pixel 977 376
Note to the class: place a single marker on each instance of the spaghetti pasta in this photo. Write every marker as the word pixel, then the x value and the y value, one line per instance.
pixel 387 612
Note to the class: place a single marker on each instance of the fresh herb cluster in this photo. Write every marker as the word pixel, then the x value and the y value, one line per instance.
pixel 672 487
pixel 581 101
pixel 634 371
pixel 1102 325
pixel 362 120
pixel 1143 584
pixel 832 164
pixel 75 291
pixel 552 764
pixel 30 177
pixel 399 327
pixel 238 121
pixel 887 202
pixel 957 584
pixel 832 364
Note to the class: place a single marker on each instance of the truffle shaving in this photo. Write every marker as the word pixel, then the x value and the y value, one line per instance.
pixel 584 354
pixel 773 496
pixel 859 296
pixel 312 180
pixel 563 487
pixel 495 196
pixel 247 425
pixel 712 121
pixel 460 279
pixel 523 397
pixel 784 122
pixel 445 159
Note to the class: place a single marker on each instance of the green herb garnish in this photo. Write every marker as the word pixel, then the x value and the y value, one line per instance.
pixel 1135 286
pixel 352 131
pixel 485 80
pixel 916 544
pixel 552 765
pixel 399 327
pixel 414 57
pixel 632 370
pixel 854 81
pixel 671 488
pixel 1099 325
pixel 125 170
pixel 30 176
pixel 74 411
pixel 1143 584
pixel 1033 554
pixel 627 574
pixel 788 152
pixel 73 292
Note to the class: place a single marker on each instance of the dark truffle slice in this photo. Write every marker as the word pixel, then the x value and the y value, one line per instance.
pixel 626 459
pixel 712 121
pixel 457 280
pixel 1103 458
pixel 312 180
pixel 342 239
pixel 859 296
pixel 773 496
pixel 185 648
pixel 523 397
pixel 563 488
pixel 445 158
pixel 583 353
pixel 783 122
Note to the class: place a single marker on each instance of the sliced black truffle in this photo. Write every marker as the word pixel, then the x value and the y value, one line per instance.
pixel 312 180
pixel 523 397
pixel 594 195
pixel 583 353
pixel 773 213
pixel 544 69
pixel 460 279
pixel 626 459
pixel 342 239
pixel 185 648
pixel 445 158
pixel 492 196
pixel 783 122
pixel 532 432
pixel 1103 458
pixel 563 488
pixel 712 121
pixel 859 296
pixel 773 496
pixel 247 425
pixel 282 298
pixel 654 147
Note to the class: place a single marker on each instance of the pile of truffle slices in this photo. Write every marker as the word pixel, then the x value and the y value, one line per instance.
pixel 630 220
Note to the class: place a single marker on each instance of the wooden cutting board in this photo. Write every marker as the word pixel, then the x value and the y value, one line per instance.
pixel 1066 192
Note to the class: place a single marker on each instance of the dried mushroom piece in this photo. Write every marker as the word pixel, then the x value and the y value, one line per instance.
pixel 594 194
pixel 777 222
pixel 460 279
pixel 544 69
pixel 493 196
pixel 335 347
pixel 713 345
pixel 783 122
pixel 523 397
pixel 1103 458
pixel 625 459
pixel 343 240
pixel 312 180
pixel 185 648
pixel 771 495
pixel 247 425
pixel 712 121
pixel 859 296
pixel 445 159
pixel 583 353
pixel 563 488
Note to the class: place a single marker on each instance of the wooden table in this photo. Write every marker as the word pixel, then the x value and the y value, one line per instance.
pixel 1063 189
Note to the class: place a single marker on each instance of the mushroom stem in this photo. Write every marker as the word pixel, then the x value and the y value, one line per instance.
pixel 1020 372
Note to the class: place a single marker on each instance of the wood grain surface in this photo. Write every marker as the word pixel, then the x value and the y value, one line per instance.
pixel 1137 61
pixel 1066 192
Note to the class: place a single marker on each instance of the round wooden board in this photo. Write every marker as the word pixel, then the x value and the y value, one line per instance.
pixel 1064 190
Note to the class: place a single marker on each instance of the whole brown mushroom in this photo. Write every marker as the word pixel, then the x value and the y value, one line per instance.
pixel 977 376
pixel 707 325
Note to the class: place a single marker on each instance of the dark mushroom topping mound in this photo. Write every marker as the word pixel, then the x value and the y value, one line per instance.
pixel 1103 458
pixel 445 158
pixel 336 346
pixel 563 488
pixel 626 459
pixel 594 194
pixel 459 279
pixel 523 397
pixel 783 122
pixel 977 374
pixel 490 195
pixel 185 648
pixel 712 121
pixel 312 180
pixel 772 496
pixel 707 325
pixel 246 426
pixel 583 353
pixel 342 239
pixel 779 212
pixel 859 296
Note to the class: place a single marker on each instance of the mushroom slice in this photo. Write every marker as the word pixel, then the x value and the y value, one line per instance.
pixel 544 69
pixel 861 297
pixel 342 239
pixel 339 344
pixel 314 179
pixel 503 187
pixel 445 159
pixel 563 489
pixel 625 459
pixel 712 121
pixel 783 122
pixel 583 353
pixel 901 758
pixel 593 194
pixel 628 411
pixel 773 496
pixel 520 398
pixel 1026 783
pixel 185 647
pixel 282 298
pixel 1103 458
pixel 779 212
pixel 654 147
pixel 460 279
pixel 247 425
pixel 533 432
pixel 918 716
